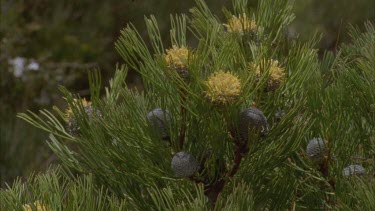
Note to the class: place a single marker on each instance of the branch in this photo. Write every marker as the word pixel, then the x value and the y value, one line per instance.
pixel 241 150
pixel 213 191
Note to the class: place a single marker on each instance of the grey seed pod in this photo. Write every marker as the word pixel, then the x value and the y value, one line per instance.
pixel 184 164
pixel 316 149
pixel 252 118
pixel 160 121
pixel 73 127
pixel 353 170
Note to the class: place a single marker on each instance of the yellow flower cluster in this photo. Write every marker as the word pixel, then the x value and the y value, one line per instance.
pixel 38 205
pixel 240 24
pixel 223 88
pixel 85 103
pixel 276 75
pixel 177 57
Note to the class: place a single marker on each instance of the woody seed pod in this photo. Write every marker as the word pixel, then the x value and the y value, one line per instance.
pixel 353 170
pixel 250 119
pixel 316 149
pixel 160 121
pixel 184 164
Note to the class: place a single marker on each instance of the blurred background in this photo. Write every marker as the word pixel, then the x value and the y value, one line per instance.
pixel 45 44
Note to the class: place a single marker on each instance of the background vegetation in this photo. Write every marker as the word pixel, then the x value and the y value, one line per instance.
pixel 66 38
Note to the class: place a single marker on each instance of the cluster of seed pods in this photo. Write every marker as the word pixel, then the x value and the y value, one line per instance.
pixel 316 150
pixel 183 163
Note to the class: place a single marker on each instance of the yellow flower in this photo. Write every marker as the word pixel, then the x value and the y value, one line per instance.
pixel 223 88
pixel 38 205
pixel 72 123
pixel 276 75
pixel 69 111
pixel 177 57
pixel 240 24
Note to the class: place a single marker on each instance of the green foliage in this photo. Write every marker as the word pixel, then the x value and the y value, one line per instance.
pixel 55 190
pixel 332 99
pixel 67 38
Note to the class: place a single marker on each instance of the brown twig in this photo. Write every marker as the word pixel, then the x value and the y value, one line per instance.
pixel 212 191
pixel 241 151
pixel 324 169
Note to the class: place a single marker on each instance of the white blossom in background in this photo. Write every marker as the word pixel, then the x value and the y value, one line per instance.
pixel 33 65
pixel 18 64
